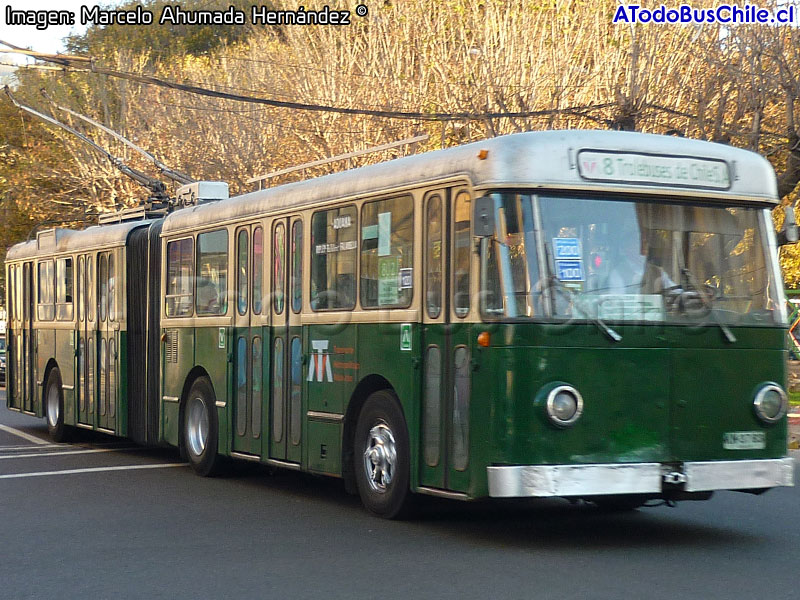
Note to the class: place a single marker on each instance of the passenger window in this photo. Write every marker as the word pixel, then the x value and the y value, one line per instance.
pixel 212 272
pixel 112 289
pixel 64 306
pixel 433 257
pixel 242 251
pixel 179 278
pixel 461 254
pixel 297 266
pixel 387 243
pixel 278 269
pixel 334 245
pixel 103 277
pixel 46 307
pixel 258 270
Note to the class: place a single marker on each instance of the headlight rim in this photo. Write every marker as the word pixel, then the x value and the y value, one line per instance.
pixel 551 396
pixel 759 397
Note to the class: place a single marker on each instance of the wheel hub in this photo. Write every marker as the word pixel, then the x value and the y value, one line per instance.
pixel 380 457
pixel 197 427
pixel 53 406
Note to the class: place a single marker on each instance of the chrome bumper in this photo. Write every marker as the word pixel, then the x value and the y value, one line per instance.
pixel 637 478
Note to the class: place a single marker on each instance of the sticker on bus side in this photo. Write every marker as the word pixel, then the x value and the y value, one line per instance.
pixel 405 337
pixel 221 337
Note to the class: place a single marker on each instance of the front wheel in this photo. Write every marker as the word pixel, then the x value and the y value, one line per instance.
pixel 54 407
pixel 381 454
pixel 200 429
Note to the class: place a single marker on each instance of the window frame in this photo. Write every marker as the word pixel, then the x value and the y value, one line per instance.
pixel 195 267
pixel 192 276
pixel 357 250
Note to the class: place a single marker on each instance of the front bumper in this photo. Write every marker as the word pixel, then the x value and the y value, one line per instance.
pixel 543 481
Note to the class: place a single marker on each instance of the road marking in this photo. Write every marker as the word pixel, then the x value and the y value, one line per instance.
pixel 23 435
pixel 92 470
pixel 68 452
pixel 29 447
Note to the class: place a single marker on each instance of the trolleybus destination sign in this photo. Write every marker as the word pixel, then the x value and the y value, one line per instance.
pixel 654 169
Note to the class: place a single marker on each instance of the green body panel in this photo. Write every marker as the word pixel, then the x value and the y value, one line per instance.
pixel 662 394
pixel 45 349
pixel 174 374
pixel 324 447
pixel 214 359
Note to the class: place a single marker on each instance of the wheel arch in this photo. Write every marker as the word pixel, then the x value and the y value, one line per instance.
pixel 367 385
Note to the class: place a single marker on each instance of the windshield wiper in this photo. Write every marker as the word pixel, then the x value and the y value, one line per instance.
pixel 691 282
pixel 577 301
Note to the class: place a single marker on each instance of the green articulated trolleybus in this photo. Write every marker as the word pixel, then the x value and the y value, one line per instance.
pixel 583 314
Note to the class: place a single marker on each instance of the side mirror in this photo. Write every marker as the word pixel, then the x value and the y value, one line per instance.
pixel 789 233
pixel 483 217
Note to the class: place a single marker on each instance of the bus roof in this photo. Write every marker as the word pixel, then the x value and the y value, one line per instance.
pixel 546 159
pixel 59 241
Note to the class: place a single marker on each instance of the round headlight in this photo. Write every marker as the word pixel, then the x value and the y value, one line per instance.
pixel 564 405
pixel 770 403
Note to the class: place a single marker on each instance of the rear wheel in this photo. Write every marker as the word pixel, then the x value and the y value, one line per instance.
pixel 381 454
pixel 200 429
pixel 54 407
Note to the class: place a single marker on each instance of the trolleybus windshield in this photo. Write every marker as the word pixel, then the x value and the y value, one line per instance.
pixel 556 257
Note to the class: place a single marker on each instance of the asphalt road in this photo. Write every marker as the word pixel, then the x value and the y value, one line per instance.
pixel 126 523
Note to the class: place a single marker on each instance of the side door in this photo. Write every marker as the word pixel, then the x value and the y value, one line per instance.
pixel 28 354
pixel 108 328
pixel 86 342
pixel 286 345
pixel 248 348
pixel 447 256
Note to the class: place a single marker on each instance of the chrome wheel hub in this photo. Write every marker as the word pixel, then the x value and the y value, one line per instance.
pixel 53 406
pixel 197 426
pixel 380 458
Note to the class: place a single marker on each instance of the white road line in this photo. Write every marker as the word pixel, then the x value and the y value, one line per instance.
pixel 23 435
pixel 68 452
pixel 92 470
pixel 29 447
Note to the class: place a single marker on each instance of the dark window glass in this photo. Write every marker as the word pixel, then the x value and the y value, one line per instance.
pixel 112 290
pixel 433 257
pixel 242 251
pixel 180 277
pixel 433 406
pixel 297 266
pixel 387 243
pixel 81 293
pixel 277 390
pixel 296 391
pixel 46 307
pixel 241 385
pixel 256 383
pixel 258 270
pixel 461 390
pixel 212 273
pixel 279 269
pixel 64 279
pixel 461 253
pixel 103 277
pixel 334 247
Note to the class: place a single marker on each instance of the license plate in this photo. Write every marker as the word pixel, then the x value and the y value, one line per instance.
pixel 744 440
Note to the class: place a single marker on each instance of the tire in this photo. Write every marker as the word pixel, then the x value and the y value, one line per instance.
pixel 381 456
pixel 54 408
pixel 200 429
